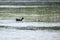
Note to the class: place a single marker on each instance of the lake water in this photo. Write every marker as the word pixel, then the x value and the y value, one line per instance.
pixel 15 34
pixel 12 33
pixel 14 23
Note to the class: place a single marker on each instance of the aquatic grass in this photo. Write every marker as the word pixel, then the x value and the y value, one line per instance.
pixel 32 28
pixel 49 28
pixel 47 14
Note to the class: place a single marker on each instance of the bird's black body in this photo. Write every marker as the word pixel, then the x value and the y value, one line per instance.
pixel 19 19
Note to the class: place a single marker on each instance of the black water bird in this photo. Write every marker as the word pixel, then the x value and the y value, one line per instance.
pixel 17 19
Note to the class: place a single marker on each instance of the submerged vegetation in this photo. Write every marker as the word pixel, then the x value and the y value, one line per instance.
pixel 38 28
pixel 32 28
pixel 47 12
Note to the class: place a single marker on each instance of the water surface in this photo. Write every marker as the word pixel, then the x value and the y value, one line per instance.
pixel 14 34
